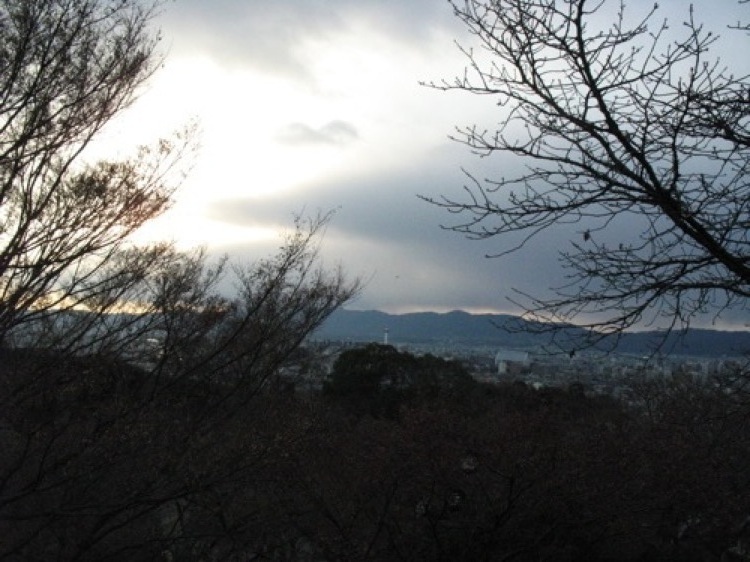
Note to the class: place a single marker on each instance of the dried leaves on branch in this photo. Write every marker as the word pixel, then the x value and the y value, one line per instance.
pixel 68 67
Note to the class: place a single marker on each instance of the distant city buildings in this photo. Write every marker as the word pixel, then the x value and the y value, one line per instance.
pixel 510 361
pixel 596 372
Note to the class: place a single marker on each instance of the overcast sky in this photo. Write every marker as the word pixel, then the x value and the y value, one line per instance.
pixel 308 105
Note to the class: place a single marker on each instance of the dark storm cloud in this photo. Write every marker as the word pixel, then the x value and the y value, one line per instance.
pixel 384 233
pixel 332 133
pixel 378 205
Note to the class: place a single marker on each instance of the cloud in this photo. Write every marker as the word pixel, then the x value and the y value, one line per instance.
pixel 266 36
pixel 275 37
pixel 335 132
pixel 385 234
pixel 308 70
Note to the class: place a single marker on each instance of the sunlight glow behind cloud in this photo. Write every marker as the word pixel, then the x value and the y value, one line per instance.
pixel 307 106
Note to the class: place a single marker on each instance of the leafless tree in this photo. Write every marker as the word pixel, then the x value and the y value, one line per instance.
pixel 67 67
pixel 126 373
pixel 619 126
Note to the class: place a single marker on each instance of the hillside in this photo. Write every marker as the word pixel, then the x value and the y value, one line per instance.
pixel 464 329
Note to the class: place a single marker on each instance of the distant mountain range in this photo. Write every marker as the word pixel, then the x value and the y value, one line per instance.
pixel 507 331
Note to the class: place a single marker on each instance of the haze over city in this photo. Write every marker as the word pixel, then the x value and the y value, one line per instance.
pixel 312 106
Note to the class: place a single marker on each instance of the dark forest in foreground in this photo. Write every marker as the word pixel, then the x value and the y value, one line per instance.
pixel 397 458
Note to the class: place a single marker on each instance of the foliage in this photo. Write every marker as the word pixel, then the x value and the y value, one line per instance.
pixel 102 469
pixel 378 379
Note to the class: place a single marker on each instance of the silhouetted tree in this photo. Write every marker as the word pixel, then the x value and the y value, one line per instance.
pixel 122 454
pixel 378 379
pixel 130 379
pixel 67 67
pixel 619 128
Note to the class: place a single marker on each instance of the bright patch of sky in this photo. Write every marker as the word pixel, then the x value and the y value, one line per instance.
pixel 307 105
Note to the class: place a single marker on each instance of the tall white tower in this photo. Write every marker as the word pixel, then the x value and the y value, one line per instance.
pixel 385 336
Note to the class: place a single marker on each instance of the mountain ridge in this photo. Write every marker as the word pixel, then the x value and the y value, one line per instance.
pixel 462 328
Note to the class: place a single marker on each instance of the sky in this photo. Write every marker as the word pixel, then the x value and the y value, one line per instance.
pixel 316 105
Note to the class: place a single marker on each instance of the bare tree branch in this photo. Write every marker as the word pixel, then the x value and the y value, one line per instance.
pixel 614 124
